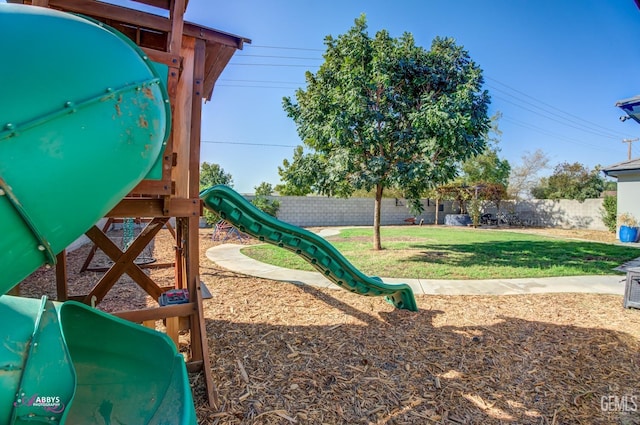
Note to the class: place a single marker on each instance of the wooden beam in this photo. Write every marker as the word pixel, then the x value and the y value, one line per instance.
pixel 147 20
pixel 161 4
pixel 145 207
pixel 155 187
pixel 110 11
pixel 142 266
pixel 158 313
pixel 169 59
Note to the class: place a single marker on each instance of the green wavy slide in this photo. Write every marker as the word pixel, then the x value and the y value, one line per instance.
pixel 234 208
pixel 84 116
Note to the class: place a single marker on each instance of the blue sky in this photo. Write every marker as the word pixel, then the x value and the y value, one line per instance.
pixel 553 68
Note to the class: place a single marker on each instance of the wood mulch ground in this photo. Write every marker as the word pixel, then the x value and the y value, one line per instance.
pixel 290 354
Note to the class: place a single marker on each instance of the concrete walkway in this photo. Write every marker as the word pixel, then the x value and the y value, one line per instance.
pixel 229 257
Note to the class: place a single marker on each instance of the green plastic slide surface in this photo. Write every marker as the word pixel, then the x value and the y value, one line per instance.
pixel 127 374
pixel 83 118
pixel 70 363
pixel 234 208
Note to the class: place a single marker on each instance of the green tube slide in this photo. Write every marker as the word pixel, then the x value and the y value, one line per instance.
pixel 84 117
pixel 234 208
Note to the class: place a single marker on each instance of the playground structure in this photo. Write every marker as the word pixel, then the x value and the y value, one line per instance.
pixel 100 122
pixel 114 133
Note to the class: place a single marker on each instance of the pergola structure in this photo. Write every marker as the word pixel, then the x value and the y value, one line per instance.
pixel 195 56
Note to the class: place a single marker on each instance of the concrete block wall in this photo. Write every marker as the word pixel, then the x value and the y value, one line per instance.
pixel 564 213
pixel 306 211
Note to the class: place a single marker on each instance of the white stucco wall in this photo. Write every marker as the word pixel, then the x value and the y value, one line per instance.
pixel 629 194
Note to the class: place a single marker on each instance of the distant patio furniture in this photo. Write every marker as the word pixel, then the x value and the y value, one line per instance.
pixel 488 219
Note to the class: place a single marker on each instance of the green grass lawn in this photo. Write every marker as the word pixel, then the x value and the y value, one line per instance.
pixel 461 253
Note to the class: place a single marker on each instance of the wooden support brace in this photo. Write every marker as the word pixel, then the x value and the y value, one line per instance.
pixel 124 261
pixel 94 248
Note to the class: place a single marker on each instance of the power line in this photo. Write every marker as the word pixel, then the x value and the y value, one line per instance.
pixel 274 64
pixel 560 121
pixel 219 142
pixel 255 87
pixel 548 105
pixel 283 48
pixel 582 125
pixel 240 55
pixel 258 81
pixel 554 135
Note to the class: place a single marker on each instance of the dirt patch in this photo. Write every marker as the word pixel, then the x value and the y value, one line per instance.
pixel 578 234
pixel 291 354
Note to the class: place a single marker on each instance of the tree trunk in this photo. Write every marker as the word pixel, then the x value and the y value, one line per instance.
pixel 377 245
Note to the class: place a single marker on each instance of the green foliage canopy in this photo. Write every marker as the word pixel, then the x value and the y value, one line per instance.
pixel 211 175
pixel 609 212
pixel 570 181
pixel 382 113
pixel 262 200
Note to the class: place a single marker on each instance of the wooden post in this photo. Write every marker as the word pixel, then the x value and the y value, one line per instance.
pixel 61 276
pixel 176 15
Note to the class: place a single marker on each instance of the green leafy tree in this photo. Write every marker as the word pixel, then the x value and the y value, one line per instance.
pixel 211 175
pixel 570 181
pixel 383 113
pixel 609 212
pixel 263 189
pixel 262 201
pixel 486 167
pixel 296 174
